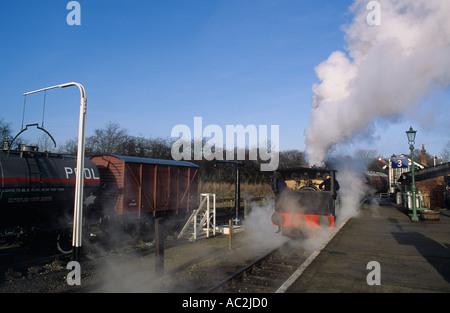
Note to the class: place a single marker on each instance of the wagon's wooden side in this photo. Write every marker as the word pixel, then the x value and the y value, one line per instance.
pixel 141 186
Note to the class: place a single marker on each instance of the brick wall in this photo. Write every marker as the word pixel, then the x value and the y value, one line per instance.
pixel 435 189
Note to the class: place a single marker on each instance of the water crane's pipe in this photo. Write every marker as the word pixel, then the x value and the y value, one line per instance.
pixel 79 184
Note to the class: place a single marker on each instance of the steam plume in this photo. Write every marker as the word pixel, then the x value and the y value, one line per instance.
pixel 387 69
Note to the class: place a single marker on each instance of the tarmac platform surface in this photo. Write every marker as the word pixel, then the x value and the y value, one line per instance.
pixel 412 256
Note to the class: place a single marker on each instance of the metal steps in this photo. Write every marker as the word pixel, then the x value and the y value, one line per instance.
pixel 202 222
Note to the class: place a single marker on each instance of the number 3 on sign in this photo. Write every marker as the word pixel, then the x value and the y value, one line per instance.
pixel 399 163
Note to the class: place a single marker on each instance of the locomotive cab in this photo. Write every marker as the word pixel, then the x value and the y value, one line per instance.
pixel 308 201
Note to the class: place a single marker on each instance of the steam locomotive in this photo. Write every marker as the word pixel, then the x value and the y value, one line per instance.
pixel 37 190
pixel 309 198
pixel 301 204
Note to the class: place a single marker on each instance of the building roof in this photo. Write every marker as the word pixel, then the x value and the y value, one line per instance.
pixel 132 159
pixel 427 173
pixel 376 174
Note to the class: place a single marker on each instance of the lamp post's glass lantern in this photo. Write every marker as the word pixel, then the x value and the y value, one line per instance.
pixel 411 133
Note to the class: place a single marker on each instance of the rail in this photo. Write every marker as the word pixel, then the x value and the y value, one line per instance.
pixel 265 274
pixel 241 271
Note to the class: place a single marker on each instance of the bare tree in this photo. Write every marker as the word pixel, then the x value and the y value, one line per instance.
pixel 70 147
pixel 292 158
pixel 109 140
pixel 147 147
pixel 366 154
pixel 45 143
pixel 446 152
pixel 5 129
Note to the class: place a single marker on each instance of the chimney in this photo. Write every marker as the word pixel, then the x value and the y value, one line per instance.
pixel 423 155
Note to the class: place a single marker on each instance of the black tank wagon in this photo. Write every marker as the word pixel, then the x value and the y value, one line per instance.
pixel 37 190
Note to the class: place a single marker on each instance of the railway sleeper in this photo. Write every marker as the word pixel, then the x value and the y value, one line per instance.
pixel 280 266
pixel 270 271
pixel 258 283
pixel 244 287
pixel 262 277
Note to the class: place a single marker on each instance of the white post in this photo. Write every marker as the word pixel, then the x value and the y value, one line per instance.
pixel 195 225
pixel 206 197
pixel 207 216
pixel 78 207
pixel 214 214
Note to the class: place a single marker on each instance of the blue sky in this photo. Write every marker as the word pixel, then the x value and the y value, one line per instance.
pixel 150 65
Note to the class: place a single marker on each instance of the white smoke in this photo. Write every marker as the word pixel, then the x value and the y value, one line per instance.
pixel 353 188
pixel 388 69
pixel 260 233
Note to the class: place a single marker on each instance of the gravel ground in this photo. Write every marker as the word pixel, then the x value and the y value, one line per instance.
pixel 188 267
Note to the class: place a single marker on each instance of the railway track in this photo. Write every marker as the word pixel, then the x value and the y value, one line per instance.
pixel 265 274
pixel 18 261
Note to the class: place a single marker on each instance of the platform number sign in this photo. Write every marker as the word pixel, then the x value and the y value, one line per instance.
pixel 400 162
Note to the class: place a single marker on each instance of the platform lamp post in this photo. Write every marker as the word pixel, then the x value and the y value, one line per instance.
pixel 411 134
pixel 78 207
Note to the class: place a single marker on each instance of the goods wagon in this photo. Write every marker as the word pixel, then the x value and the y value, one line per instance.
pixel 135 188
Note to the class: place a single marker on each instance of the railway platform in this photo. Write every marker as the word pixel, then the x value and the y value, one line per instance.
pixel 381 250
